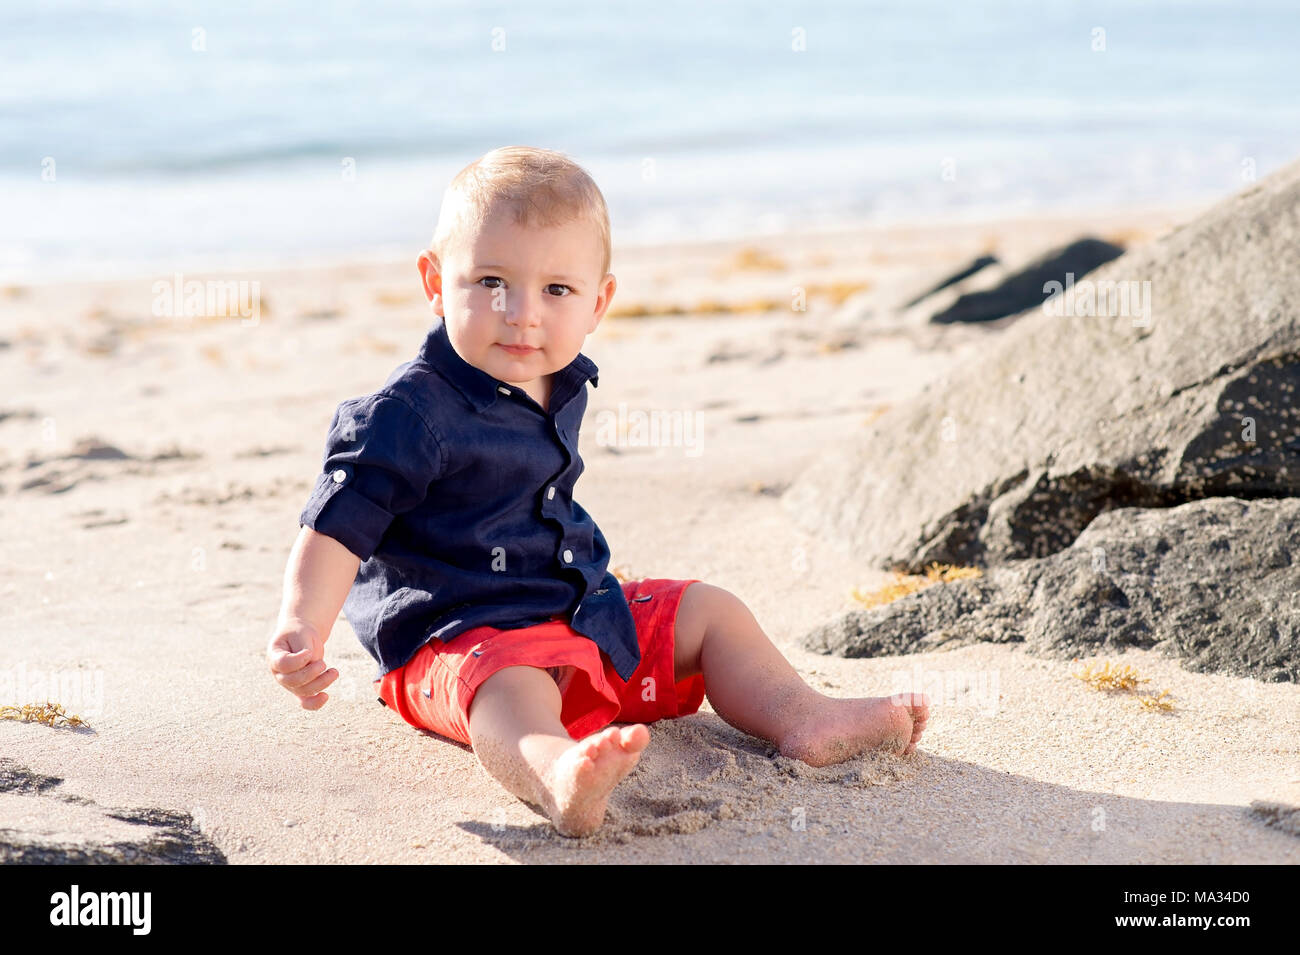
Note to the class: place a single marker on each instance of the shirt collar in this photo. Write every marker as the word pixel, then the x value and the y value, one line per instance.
pixel 478 387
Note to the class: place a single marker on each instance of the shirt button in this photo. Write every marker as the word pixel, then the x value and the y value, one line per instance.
pixel 550 492
pixel 568 556
pixel 504 391
pixel 340 476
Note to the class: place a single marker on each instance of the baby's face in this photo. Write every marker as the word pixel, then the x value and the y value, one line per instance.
pixel 510 285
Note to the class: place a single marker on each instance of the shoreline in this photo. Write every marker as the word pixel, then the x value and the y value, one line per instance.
pixel 388 257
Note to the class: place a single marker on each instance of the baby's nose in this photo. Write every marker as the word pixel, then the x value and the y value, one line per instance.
pixel 522 309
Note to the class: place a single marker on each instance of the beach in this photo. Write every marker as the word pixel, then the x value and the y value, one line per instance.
pixel 154 464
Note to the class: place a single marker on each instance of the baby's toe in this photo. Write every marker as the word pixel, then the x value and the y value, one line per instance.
pixel 634 737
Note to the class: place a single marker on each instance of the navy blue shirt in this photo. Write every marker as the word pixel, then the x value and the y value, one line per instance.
pixel 455 490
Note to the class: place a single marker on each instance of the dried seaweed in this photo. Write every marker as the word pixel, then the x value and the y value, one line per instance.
pixel 48 713
pixel 1124 679
pixel 904 584
pixel 1111 678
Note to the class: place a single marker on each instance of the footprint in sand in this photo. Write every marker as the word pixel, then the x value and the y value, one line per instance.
pixel 61 473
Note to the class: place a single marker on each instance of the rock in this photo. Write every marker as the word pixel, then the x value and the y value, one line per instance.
pixel 895 300
pixel 1025 288
pixel 1279 815
pixel 960 275
pixel 1190 394
pixel 41 825
pixel 1212 582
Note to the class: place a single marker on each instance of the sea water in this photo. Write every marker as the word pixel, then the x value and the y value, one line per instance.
pixel 163 135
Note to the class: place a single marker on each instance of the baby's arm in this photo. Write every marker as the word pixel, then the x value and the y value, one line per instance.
pixel 316 582
pixel 380 459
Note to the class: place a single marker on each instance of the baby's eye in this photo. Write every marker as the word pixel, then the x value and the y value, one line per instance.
pixel 558 285
pixel 490 278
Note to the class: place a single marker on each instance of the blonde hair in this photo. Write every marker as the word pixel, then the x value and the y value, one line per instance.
pixel 539 187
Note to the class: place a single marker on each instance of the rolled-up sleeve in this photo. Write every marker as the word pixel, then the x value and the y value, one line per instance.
pixel 380 458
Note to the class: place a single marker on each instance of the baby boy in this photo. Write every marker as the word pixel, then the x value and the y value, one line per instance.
pixel 443 525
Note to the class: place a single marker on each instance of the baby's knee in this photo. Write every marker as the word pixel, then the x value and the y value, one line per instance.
pixel 514 680
pixel 510 687
pixel 710 604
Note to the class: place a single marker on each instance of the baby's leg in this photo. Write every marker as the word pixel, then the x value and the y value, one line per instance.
pixel 755 689
pixel 515 729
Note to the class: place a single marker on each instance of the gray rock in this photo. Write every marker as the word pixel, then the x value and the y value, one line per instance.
pixel 41 825
pixel 1214 582
pixel 1279 815
pixel 1187 394
pixel 982 262
pixel 1025 288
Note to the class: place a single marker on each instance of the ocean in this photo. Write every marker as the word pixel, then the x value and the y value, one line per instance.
pixel 139 137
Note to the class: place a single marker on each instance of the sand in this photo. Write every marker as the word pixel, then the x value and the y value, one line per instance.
pixel 152 469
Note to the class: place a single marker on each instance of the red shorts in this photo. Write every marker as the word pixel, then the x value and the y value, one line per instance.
pixel 435 688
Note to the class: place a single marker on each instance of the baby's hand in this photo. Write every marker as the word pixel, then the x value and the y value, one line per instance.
pixel 297 656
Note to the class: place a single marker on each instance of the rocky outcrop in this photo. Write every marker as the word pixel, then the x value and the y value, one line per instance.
pixel 1029 286
pixel 41 825
pixel 1166 376
pixel 978 264
pixel 1215 583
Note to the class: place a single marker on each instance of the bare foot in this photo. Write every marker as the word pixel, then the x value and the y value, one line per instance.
pixel 583 776
pixel 841 729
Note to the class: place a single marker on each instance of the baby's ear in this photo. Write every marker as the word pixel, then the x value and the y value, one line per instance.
pixel 430 272
pixel 607 287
